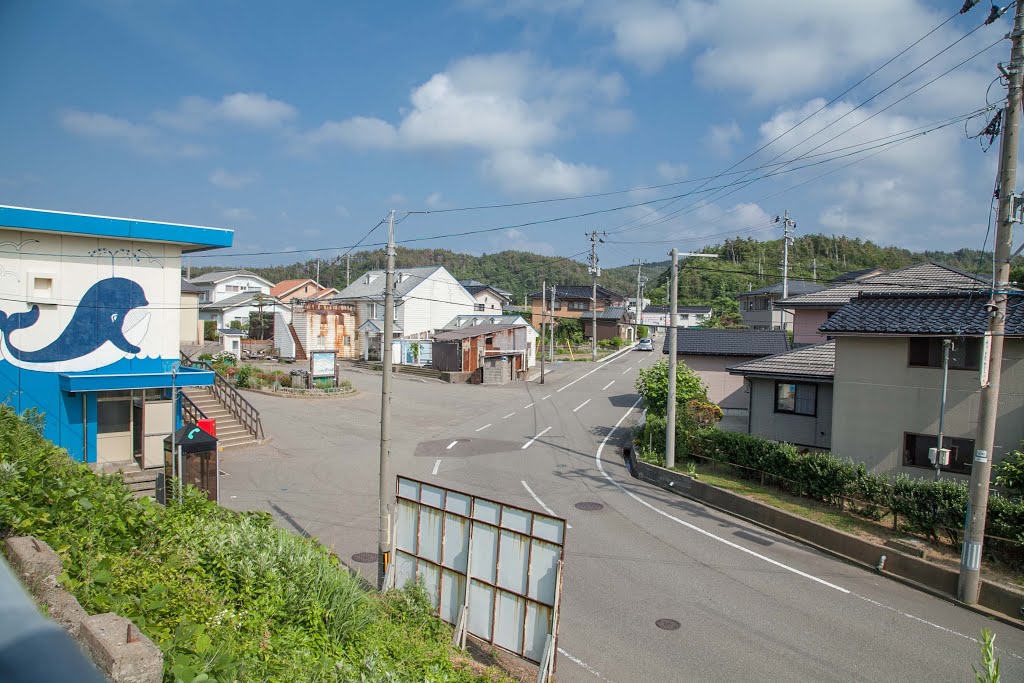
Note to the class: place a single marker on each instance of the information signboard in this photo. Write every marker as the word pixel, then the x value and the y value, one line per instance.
pixel 321 363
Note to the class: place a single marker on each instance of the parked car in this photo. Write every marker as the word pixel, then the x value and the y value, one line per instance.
pixel 645 344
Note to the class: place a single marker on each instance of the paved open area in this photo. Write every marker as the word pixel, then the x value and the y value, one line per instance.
pixel 750 605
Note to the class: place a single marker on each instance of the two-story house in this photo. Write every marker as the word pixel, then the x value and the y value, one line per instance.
pixel 759 308
pixel 90 328
pixel 426 299
pixel 489 300
pixel 657 317
pixel 574 301
pixel 231 296
pixel 811 310
pixel 287 291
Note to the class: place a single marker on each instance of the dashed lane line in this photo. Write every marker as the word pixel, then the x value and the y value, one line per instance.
pixel 451 445
pixel 540 434
pixel 541 502
pixel 484 427
pixel 436 465
pixel 608 385
pixel 581 405
pixel 509 415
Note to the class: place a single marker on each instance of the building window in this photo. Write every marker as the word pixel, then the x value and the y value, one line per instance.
pixel 478 307
pixel 488 341
pixel 926 352
pixel 915 452
pixel 231 288
pixel 798 399
pixel 684 316
pixel 579 305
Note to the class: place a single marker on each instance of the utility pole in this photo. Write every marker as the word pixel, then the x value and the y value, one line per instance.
pixel 974 531
pixel 673 352
pixel 543 328
pixel 595 272
pixel 551 332
pixel 639 299
pixel 787 236
pixel 318 271
pixel 814 265
pixel 947 345
pixel 386 490
pixel 348 269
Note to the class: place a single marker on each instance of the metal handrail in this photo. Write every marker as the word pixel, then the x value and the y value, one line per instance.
pixel 231 398
pixel 190 411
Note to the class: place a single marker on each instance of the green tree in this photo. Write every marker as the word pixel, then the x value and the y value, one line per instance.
pixel 652 385
pixel 1010 473
pixel 642 331
pixel 210 330
pixel 569 330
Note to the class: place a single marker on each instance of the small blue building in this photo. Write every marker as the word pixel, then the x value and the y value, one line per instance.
pixel 89 328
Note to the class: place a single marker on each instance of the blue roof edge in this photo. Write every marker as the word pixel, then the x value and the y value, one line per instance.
pixel 196 237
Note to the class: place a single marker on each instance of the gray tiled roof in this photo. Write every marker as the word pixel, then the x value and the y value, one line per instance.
pixel 610 313
pixel 920 277
pixel 808 362
pixel 462 321
pixel 239 299
pixel 474 287
pixel 218 275
pixel 580 292
pixel 853 275
pixel 940 313
pixel 729 342
pixel 795 287
pixel 474 331
pixel 188 287
pixel 681 309
pixel 374 289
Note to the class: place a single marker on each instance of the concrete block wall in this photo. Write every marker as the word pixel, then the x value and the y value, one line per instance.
pixel 112 642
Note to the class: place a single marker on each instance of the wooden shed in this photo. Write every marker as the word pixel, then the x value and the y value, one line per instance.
pixel 497 353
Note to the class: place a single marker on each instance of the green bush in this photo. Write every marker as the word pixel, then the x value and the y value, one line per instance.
pixel 1010 473
pixel 245 378
pixel 652 385
pixel 210 330
pixel 226 596
pixel 642 331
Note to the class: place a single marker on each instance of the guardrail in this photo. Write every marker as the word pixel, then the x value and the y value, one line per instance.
pixel 189 410
pixel 231 398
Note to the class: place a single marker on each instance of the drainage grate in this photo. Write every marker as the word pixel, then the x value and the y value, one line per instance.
pixel 589 506
pixel 364 558
pixel 667 624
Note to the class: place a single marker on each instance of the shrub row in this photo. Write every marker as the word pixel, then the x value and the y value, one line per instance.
pixel 935 509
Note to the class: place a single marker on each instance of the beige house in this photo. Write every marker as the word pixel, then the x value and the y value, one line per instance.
pixel 711 352
pixel 191 328
pixel 759 308
pixel 888 379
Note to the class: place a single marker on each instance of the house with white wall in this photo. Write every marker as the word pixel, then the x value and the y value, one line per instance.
pixel 488 299
pixel 229 295
pixel 90 328
pixel 426 299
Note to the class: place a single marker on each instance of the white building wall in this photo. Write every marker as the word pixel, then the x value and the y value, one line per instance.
pixel 433 303
pixel 283 341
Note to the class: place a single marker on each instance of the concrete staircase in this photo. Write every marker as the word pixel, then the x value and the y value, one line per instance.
pixel 140 482
pixel 229 432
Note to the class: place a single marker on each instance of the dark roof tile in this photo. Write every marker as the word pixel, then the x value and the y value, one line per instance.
pixel 928 314
pixel 808 362
pixel 729 342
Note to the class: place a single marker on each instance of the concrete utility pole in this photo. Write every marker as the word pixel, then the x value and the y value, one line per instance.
pixel 386 491
pixel 318 270
pixel 551 332
pixel 670 408
pixel 348 269
pixel 543 322
pixel 595 272
pixel 974 531
pixel 673 335
pixel 947 345
pixel 639 299
pixel 787 237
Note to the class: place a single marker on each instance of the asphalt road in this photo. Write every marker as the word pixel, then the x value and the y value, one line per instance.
pixel 750 604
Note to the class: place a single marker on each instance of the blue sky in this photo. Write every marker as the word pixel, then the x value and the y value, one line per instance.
pixel 301 124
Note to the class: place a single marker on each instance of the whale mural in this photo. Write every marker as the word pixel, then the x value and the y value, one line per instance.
pixel 106 327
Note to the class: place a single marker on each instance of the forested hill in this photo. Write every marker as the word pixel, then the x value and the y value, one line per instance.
pixel 736 270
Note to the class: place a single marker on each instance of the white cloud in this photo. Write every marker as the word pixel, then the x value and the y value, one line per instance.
pixel 722 137
pixel 359 131
pixel 342 211
pixel 517 240
pixel 670 172
pixel 140 138
pixel 648 33
pixel 396 199
pixel 233 181
pixel 237 214
pixel 526 173
pixel 256 110
pixel 613 120
pixel 434 200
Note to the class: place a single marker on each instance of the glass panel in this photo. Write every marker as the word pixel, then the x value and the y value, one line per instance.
pixel 430 534
pixel 785 397
pixel 113 417
pixel 431 578
pixel 406 526
pixel 517 520
pixel 549 529
pixel 514 554
pixel 453 588
pixel 433 496
pixel 538 626
pixel 457 503
pixel 543 572
pixel 405 569
pixel 508 621
pixel 481 610
pixel 408 489
pixel 456 542
pixel 486 511
pixel 485 551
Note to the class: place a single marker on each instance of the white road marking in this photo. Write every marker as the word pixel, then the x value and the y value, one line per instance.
pixel 627 370
pixel 530 442
pixel 581 377
pixel 451 445
pixel 508 416
pixel 484 427
pixel 581 405
pixel 617 354
pixel 608 385
pixel 579 662
pixel 436 465
pixel 529 406
pixel 546 397
pixel 541 502
pixel 600 466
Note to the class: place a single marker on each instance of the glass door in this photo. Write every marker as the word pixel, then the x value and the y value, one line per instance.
pixel 114 442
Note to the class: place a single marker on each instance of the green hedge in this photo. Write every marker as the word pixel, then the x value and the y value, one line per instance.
pixel 935 509
pixel 226 596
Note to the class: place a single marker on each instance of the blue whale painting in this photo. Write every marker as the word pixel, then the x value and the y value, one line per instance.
pixel 96 336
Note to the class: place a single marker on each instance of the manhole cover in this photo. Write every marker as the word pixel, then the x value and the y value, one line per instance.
pixel 667 624
pixel 364 558
pixel 560 467
pixel 589 506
